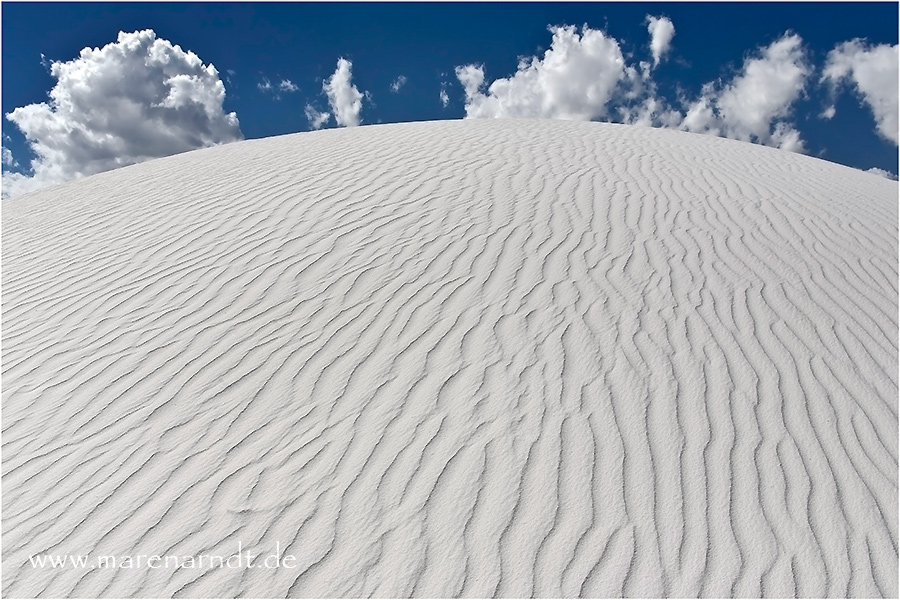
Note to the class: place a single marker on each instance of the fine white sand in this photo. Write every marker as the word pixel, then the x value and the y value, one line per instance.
pixel 478 358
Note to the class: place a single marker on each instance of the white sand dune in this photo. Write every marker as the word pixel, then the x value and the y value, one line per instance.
pixel 477 358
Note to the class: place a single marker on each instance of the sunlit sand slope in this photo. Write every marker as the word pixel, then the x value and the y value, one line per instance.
pixel 478 358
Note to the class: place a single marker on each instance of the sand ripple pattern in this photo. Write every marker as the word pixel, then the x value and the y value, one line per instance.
pixel 479 358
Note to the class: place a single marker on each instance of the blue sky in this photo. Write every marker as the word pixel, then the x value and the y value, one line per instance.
pixel 301 43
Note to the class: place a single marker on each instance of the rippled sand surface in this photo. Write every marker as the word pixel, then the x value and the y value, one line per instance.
pixel 474 358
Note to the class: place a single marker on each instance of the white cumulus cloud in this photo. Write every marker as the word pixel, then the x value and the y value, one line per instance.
pixel 661 32
pixel 874 72
pixel 398 83
pixel 287 85
pixel 574 80
pixel 445 99
pixel 138 98
pixel 754 105
pixel 343 97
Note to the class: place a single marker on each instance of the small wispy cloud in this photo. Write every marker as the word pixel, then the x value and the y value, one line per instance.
pixel 316 119
pixel 661 32
pixel 882 173
pixel 285 86
pixel 8 159
pixel 398 83
pixel 445 99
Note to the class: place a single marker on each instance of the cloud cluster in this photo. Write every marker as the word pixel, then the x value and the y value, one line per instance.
pixel 574 80
pixel 344 99
pixel 586 77
pixel 753 106
pixel 142 97
pixel 138 98
pixel 874 72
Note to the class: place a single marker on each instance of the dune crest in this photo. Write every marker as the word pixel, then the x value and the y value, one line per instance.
pixel 477 358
